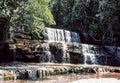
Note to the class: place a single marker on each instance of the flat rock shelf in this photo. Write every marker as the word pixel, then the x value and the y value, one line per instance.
pixel 32 71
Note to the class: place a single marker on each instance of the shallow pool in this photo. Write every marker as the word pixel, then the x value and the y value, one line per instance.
pixel 73 78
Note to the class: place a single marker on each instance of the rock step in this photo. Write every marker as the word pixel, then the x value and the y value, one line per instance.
pixel 36 72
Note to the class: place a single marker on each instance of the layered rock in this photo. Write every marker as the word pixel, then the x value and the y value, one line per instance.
pixel 29 71
pixel 60 46
pixel 101 55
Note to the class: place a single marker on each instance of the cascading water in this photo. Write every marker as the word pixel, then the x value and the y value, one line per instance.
pixel 89 55
pixel 67 36
pixel 90 59
pixel 43 53
pixel 62 37
pixel 66 57
pixel 75 37
pixel 14 53
pixel 58 35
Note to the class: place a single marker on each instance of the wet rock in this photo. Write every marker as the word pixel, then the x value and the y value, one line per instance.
pixel 7 75
pixel 116 70
pixel 42 72
pixel 10 75
pixel 32 74
pixel 91 70
pixel 76 69
pixel 23 74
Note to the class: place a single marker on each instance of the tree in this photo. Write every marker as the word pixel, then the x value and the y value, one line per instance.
pixel 8 10
pixel 31 14
pixel 34 17
pixel 98 18
pixel 110 21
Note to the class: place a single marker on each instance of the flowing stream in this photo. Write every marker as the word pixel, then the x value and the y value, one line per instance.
pixel 74 78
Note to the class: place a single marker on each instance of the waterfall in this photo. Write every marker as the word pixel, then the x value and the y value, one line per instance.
pixel 67 36
pixel 75 37
pixel 14 52
pixel 53 35
pixel 89 54
pixel 65 58
pixel 59 35
pixel 32 74
pixel 43 53
pixel 90 59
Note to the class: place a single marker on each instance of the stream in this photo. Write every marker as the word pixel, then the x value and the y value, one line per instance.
pixel 73 78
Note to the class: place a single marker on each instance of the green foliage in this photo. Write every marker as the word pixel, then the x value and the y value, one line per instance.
pixel 99 18
pixel 30 14
pixel 34 15
pixel 110 21
pixel 10 7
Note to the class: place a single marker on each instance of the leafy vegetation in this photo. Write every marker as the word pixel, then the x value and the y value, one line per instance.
pixel 34 15
pixel 99 18
pixel 31 14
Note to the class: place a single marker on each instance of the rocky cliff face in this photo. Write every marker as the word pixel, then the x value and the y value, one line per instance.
pixel 60 46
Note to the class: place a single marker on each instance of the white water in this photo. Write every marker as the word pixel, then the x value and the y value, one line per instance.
pixel 14 52
pixel 44 53
pixel 66 56
pixel 67 36
pixel 75 37
pixel 89 55
pixel 63 37
pixel 59 35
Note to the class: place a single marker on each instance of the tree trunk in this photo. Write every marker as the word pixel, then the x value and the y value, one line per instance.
pixel 4 46
pixel 4 29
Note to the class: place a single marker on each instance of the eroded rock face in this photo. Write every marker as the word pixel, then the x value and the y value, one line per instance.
pixel 57 52
pixel 61 46
pixel 100 55
pixel 57 46
pixel 65 53
pixel 46 52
